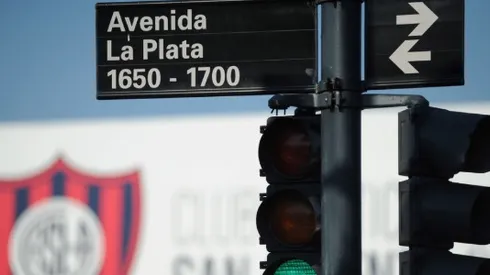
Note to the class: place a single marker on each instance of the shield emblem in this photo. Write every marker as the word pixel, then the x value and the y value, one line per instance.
pixel 66 222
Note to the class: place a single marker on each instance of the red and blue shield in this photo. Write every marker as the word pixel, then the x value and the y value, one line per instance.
pixel 112 201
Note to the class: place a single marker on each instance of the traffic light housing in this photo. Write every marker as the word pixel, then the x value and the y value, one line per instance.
pixel 439 213
pixel 288 219
pixel 439 143
pixel 434 145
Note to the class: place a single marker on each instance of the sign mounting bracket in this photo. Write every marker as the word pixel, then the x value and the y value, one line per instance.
pixel 368 101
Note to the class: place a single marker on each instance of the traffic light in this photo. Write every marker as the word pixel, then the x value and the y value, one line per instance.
pixel 288 219
pixel 433 145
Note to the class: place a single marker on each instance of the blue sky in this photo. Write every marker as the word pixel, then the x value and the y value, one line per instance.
pixel 47 67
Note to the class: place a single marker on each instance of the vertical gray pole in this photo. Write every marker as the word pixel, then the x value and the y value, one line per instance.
pixel 340 42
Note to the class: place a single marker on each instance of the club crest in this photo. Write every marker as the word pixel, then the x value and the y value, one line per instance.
pixel 65 222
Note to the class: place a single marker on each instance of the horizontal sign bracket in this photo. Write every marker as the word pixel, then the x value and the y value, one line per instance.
pixel 320 101
pixel 375 101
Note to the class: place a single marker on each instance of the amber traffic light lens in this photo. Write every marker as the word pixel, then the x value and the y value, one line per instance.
pixel 292 148
pixel 293 219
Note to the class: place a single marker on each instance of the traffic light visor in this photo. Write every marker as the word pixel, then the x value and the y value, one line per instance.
pixel 480 218
pixel 478 155
pixel 289 217
pixel 287 147
pixel 429 145
pixel 484 268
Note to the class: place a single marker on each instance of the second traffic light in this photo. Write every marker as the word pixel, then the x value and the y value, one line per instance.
pixel 434 213
pixel 288 219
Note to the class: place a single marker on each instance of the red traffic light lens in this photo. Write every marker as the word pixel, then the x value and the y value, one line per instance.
pixel 292 218
pixel 288 148
pixel 293 152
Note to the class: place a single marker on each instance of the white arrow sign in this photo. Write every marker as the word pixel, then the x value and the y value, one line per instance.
pixel 402 56
pixel 425 18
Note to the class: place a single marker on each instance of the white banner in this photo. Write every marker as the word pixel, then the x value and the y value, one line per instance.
pixel 192 183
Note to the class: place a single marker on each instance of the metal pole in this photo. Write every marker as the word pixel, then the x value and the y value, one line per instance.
pixel 340 57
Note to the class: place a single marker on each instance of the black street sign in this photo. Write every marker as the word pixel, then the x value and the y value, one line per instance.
pixel 414 43
pixel 204 48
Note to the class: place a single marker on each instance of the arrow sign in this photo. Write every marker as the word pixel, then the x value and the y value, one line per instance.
pixel 402 56
pixel 432 55
pixel 425 18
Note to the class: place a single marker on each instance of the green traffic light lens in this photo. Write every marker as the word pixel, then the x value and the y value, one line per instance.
pixel 295 267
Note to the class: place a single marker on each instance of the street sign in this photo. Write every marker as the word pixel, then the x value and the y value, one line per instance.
pixel 414 43
pixel 204 48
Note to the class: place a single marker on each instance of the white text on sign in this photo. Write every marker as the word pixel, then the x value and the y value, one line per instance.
pixel 160 49
pixel 199 76
pixel 161 23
